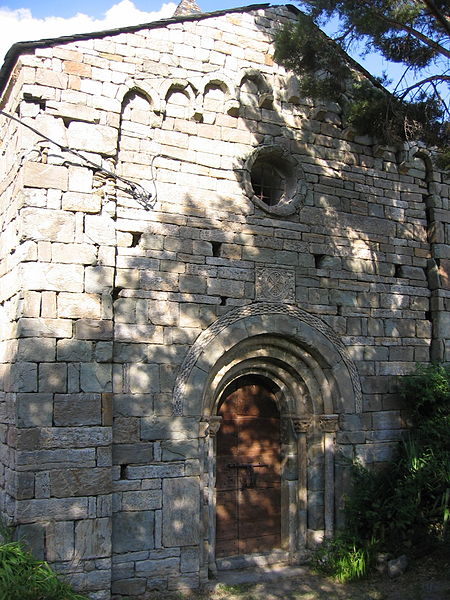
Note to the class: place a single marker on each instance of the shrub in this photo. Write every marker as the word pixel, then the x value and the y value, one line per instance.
pixel 404 506
pixel 24 578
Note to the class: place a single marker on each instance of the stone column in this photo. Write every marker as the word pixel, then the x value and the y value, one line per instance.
pixel 301 427
pixel 212 427
pixel 329 425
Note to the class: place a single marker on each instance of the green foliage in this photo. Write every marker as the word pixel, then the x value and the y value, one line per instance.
pixel 404 506
pixel 342 559
pixel 24 578
pixel 402 31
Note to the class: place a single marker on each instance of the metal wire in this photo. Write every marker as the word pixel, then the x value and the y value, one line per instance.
pixel 134 189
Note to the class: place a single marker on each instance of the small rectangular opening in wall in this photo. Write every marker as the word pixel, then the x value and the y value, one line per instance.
pixel 223 300
pixel 135 238
pixel 116 293
pixel 318 260
pixel 216 248
pixel 123 471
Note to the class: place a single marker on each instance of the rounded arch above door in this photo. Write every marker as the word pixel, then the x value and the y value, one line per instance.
pixel 294 349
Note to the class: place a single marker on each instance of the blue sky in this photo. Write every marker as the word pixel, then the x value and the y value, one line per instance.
pixel 24 20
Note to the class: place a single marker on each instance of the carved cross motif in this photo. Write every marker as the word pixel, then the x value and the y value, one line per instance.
pixel 275 285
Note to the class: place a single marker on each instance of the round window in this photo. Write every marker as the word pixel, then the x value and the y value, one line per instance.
pixel 271 180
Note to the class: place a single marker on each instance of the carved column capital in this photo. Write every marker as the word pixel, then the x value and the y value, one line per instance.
pixel 329 423
pixel 302 424
pixel 209 426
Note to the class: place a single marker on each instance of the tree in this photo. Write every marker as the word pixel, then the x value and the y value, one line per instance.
pixel 414 33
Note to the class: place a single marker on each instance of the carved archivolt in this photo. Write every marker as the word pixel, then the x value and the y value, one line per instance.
pixel 321 336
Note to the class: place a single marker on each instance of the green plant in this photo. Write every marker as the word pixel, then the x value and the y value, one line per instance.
pixel 406 504
pixel 24 578
pixel 342 558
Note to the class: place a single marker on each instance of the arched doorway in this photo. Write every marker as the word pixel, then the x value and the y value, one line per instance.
pixel 248 469
pixel 316 384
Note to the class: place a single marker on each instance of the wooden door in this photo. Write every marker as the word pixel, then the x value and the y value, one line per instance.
pixel 248 472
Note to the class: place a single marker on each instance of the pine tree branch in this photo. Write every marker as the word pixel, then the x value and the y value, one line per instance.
pixel 417 34
pixel 437 14
pixel 431 79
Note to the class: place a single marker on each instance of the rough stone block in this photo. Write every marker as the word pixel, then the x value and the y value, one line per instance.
pixel 129 587
pixel 51 328
pixel 36 349
pixel 93 138
pixel 52 377
pixel 100 230
pixel 96 377
pixel 150 568
pixel 141 500
pixel 80 482
pixel 139 453
pixel 34 410
pixel 81 202
pixel 98 279
pixel 74 350
pixel 45 509
pixel 42 175
pixel 133 531
pixel 93 538
pixel 181 509
pixel 60 540
pixel 52 276
pixel 168 428
pixel 91 329
pixel 190 560
pixel 24 377
pixel 143 378
pixel 179 450
pixel 155 471
pixel 78 306
pixel 77 409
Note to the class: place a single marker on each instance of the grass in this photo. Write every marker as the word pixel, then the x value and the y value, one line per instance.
pixel 24 578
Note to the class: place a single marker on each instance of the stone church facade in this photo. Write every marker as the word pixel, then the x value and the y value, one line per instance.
pixel 208 288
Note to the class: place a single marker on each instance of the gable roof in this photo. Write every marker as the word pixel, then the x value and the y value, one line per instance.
pixel 23 47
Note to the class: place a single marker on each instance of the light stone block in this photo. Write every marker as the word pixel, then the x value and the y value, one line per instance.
pixel 41 175
pixel 78 306
pixel 143 378
pixel 47 225
pixel 82 202
pixel 55 277
pixel 92 138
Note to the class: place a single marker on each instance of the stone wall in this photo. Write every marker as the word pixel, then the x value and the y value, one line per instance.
pixel 104 293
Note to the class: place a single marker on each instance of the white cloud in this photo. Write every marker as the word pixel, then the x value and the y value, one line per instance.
pixel 19 25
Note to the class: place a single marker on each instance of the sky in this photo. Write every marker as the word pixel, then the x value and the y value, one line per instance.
pixel 24 20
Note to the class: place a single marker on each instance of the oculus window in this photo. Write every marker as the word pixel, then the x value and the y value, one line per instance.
pixel 274 180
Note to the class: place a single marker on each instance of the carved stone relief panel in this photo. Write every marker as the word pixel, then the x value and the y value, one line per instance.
pixel 275 285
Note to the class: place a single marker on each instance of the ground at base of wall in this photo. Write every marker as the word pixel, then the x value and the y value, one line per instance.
pixel 426 579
